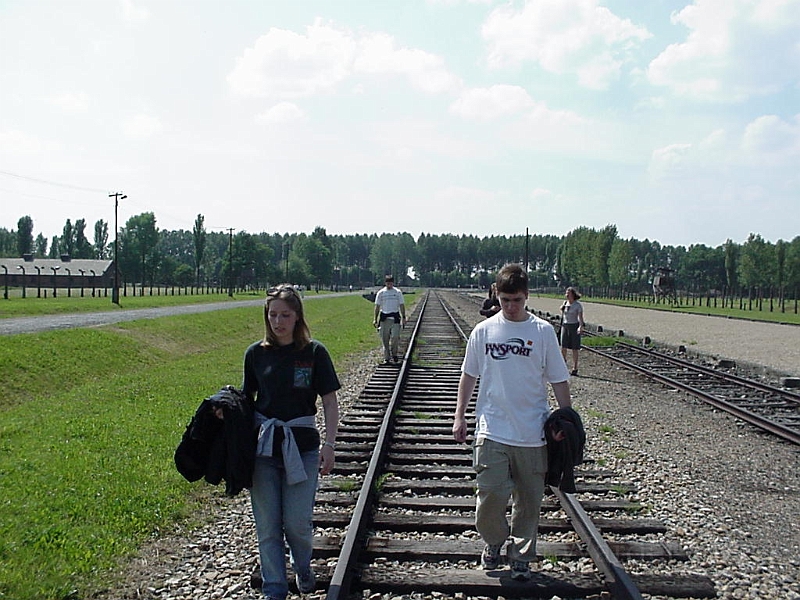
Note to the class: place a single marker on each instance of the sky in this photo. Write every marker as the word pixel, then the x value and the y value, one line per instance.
pixel 675 121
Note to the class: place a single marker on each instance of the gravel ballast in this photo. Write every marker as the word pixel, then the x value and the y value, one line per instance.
pixel 728 494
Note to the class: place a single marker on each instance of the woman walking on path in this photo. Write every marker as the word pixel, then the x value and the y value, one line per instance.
pixel 571 327
pixel 284 374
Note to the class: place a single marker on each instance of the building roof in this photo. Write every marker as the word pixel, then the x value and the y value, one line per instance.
pixel 46 264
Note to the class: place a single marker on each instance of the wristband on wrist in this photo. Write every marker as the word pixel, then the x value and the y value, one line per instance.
pixel 330 445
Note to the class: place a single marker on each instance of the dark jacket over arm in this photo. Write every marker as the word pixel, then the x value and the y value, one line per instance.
pixel 566 439
pixel 220 449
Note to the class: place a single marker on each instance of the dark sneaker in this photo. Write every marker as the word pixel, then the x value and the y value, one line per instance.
pixel 490 557
pixel 574 372
pixel 306 582
pixel 520 570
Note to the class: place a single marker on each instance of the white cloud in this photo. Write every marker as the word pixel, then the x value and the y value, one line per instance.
pixel 459 195
pixel 283 64
pixel 406 139
pixel 491 103
pixel 772 139
pixel 735 49
pixel 141 127
pixel 457 2
pixel 563 36
pixel 563 128
pixel 288 65
pixel 133 13
pixel 541 194
pixel 668 160
pixel 767 142
pixel 71 102
pixel 378 54
pixel 18 142
pixel 283 112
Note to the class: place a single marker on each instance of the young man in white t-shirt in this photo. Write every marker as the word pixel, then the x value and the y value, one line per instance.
pixel 390 311
pixel 515 354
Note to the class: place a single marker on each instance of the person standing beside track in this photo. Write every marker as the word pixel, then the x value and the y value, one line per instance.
pixel 390 310
pixel 572 325
pixel 515 354
pixel 491 306
pixel 284 374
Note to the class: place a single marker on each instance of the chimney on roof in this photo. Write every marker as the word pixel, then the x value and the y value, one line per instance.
pixel 27 257
pixel 65 258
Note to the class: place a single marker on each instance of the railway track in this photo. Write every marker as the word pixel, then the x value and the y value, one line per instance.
pixel 767 407
pixel 397 516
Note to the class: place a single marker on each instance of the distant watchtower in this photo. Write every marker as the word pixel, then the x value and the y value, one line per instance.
pixel 664 285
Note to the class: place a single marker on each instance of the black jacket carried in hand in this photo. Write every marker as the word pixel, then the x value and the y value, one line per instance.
pixel 490 307
pixel 220 449
pixel 566 439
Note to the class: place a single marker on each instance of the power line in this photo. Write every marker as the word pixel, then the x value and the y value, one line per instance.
pixel 85 189
pixel 55 183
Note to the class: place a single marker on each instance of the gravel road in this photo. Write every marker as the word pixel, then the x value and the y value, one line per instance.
pixel 15 325
pixel 770 346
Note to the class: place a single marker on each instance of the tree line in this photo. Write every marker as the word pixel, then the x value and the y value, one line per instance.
pixel 585 257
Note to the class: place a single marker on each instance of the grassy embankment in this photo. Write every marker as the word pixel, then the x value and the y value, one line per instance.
pixel 90 421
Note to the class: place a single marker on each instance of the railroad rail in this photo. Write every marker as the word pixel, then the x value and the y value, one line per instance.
pixel 397 515
pixel 767 407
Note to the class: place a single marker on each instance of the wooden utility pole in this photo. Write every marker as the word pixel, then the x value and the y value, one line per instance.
pixel 230 262
pixel 115 290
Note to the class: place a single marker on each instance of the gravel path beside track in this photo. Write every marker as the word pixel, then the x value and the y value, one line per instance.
pixel 15 325
pixel 768 346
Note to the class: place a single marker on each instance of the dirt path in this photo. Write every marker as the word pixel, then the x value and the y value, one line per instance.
pixel 770 345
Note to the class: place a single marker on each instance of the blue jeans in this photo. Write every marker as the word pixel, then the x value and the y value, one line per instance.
pixel 281 512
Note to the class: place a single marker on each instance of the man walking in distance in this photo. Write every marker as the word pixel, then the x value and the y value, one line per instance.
pixel 515 354
pixel 390 310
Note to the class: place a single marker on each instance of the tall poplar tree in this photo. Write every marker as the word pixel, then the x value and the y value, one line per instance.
pixel 200 238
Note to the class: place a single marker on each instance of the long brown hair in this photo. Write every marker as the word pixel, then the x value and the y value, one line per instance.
pixel 301 335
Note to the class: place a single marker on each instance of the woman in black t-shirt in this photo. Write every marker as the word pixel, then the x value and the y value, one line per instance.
pixel 284 374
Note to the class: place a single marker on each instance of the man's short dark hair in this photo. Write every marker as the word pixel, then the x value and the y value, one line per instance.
pixel 389 278
pixel 511 279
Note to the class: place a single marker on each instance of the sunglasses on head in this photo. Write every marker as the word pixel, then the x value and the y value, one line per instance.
pixel 275 291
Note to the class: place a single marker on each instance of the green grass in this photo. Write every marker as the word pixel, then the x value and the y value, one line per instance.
pixel 346 485
pixel 90 421
pixel 599 341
